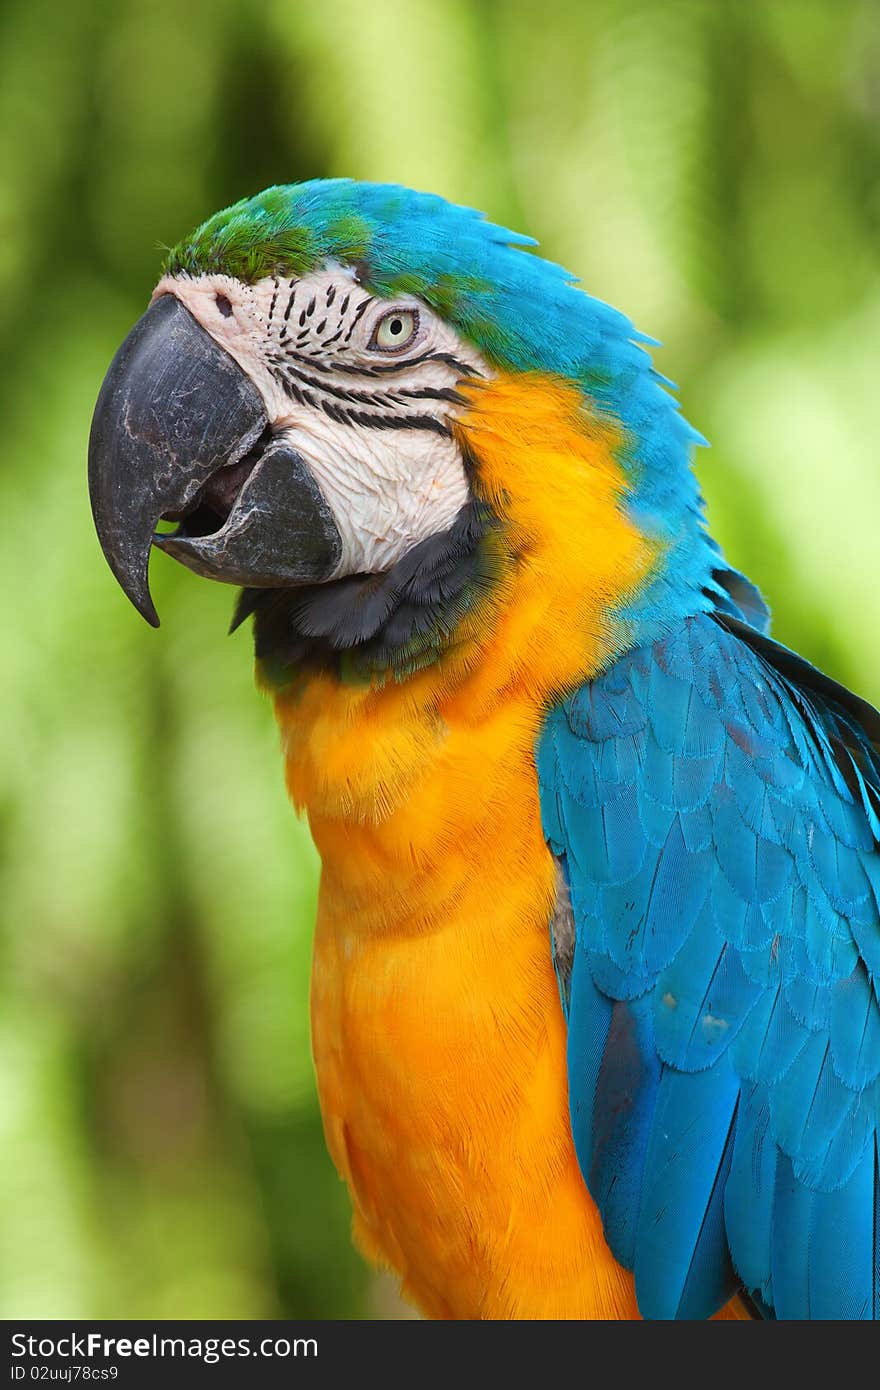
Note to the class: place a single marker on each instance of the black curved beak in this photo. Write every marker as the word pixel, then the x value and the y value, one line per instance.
pixel 180 432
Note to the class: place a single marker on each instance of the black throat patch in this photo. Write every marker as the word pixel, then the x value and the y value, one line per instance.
pixel 367 624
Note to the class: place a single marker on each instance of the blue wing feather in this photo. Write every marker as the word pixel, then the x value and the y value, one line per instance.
pixel 841 1254
pixel 589 1021
pixel 623 1111
pixel 749 1191
pixel 711 1276
pixel 688 1141
pixel 790 1243
pixel 717 802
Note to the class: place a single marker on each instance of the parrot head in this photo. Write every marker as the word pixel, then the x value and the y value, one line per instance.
pixel 364 404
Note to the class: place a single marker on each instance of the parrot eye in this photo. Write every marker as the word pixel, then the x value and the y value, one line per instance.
pixel 395 330
pixel 223 305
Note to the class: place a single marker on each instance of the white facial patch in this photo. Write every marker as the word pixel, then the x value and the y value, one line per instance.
pixel 363 388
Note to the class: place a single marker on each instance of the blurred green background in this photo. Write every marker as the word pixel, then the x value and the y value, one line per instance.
pixel 711 166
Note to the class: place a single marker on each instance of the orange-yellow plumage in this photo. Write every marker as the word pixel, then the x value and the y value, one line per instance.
pixel 438 1034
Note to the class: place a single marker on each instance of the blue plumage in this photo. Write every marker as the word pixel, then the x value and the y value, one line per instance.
pixel 715 800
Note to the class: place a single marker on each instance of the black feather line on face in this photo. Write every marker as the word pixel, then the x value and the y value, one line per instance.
pixel 401 619
pixel 291 377
pixel 369 369
pixel 283 371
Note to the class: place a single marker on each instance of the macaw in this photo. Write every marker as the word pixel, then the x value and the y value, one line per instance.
pixel 594 1001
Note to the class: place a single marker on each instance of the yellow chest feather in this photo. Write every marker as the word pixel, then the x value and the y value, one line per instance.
pixel 439 1043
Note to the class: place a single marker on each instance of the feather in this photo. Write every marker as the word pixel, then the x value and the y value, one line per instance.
pixel 701 1000
pixel 711 1279
pixel 843 1247
pixel 790 1243
pixel 855 1030
pixel 749 1192
pixel 588 1024
pixel 688 1143
pixel 623 1110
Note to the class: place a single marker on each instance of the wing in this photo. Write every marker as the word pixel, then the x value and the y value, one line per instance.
pixel 715 804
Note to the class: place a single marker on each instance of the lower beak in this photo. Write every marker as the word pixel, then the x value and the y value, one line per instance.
pixel 180 432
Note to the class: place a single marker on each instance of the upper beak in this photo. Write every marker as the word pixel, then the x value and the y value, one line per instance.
pixel 180 431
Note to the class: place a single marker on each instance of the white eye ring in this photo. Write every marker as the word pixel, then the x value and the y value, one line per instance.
pixel 395 330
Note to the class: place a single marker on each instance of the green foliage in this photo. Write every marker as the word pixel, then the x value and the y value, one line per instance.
pixel 709 166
